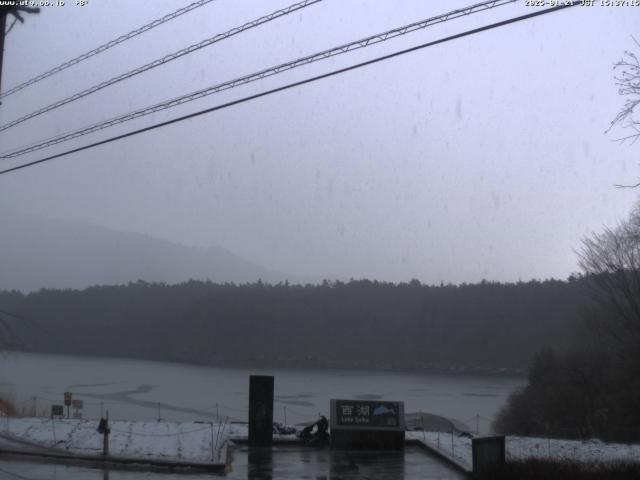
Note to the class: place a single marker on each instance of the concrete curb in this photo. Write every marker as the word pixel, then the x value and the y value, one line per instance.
pixel 118 462
pixel 461 467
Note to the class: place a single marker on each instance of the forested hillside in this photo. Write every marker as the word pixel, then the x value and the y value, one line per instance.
pixel 480 327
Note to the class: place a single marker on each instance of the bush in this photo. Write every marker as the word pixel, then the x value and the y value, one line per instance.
pixel 7 408
pixel 576 395
pixel 535 469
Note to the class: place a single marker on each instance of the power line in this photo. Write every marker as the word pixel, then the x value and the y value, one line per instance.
pixel 294 84
pixel 161 61
pixel 106 46
pixel 362 43
pixel 12 315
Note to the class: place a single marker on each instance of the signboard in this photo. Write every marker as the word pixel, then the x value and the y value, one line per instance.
pixel 77 406
pixel 365 424
pixel 364 413
pixel 67 399
pixel 57 411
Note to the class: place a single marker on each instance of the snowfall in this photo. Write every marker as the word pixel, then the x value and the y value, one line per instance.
pixel 197 442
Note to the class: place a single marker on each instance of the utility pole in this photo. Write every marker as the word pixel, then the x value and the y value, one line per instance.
pixel 14 10
pixel 3 28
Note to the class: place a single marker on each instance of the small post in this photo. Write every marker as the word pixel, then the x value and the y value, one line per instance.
pixel 105 437
pixel 451 441
pixel 67 401
pixel 212 455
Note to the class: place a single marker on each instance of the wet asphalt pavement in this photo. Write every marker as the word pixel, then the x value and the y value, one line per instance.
pixel 284 462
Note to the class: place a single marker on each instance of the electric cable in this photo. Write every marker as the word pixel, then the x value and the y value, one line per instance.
pixel 161 61
pixel 106 46
pixel 292 85
pixel 362 43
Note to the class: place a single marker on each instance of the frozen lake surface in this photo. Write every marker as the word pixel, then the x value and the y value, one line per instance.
pixel 142 390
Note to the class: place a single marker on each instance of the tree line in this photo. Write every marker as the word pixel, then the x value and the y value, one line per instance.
pixel 484 327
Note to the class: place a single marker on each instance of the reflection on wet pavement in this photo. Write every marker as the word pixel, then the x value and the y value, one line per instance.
pixel 305 463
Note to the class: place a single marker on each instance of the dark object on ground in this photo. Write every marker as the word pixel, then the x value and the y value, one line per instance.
pixel 281 429
pixel 7 408
pixel 103 427
pixel 534 469
pixel 319 438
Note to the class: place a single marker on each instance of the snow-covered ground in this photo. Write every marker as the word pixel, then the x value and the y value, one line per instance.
pixel 198 442
pixel 530 447
pixel 193 442
pixel 184 442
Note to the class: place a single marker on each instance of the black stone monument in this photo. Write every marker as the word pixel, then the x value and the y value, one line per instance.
pixel 260 410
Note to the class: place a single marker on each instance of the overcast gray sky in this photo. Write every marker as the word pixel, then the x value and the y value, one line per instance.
pixel 484 157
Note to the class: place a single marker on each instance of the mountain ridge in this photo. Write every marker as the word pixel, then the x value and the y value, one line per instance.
pixel 42 252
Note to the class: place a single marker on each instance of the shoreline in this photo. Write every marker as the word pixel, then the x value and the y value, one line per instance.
pixel 450 370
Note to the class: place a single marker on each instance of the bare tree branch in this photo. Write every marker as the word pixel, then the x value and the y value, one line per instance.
pixel 627 79
pixel 611 263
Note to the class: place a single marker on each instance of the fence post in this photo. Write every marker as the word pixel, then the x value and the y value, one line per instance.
pixel 212 455
pixel 452 441
pixel 218 435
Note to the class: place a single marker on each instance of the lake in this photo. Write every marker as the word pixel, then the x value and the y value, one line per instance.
pixel 144 390
pixel 136 389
